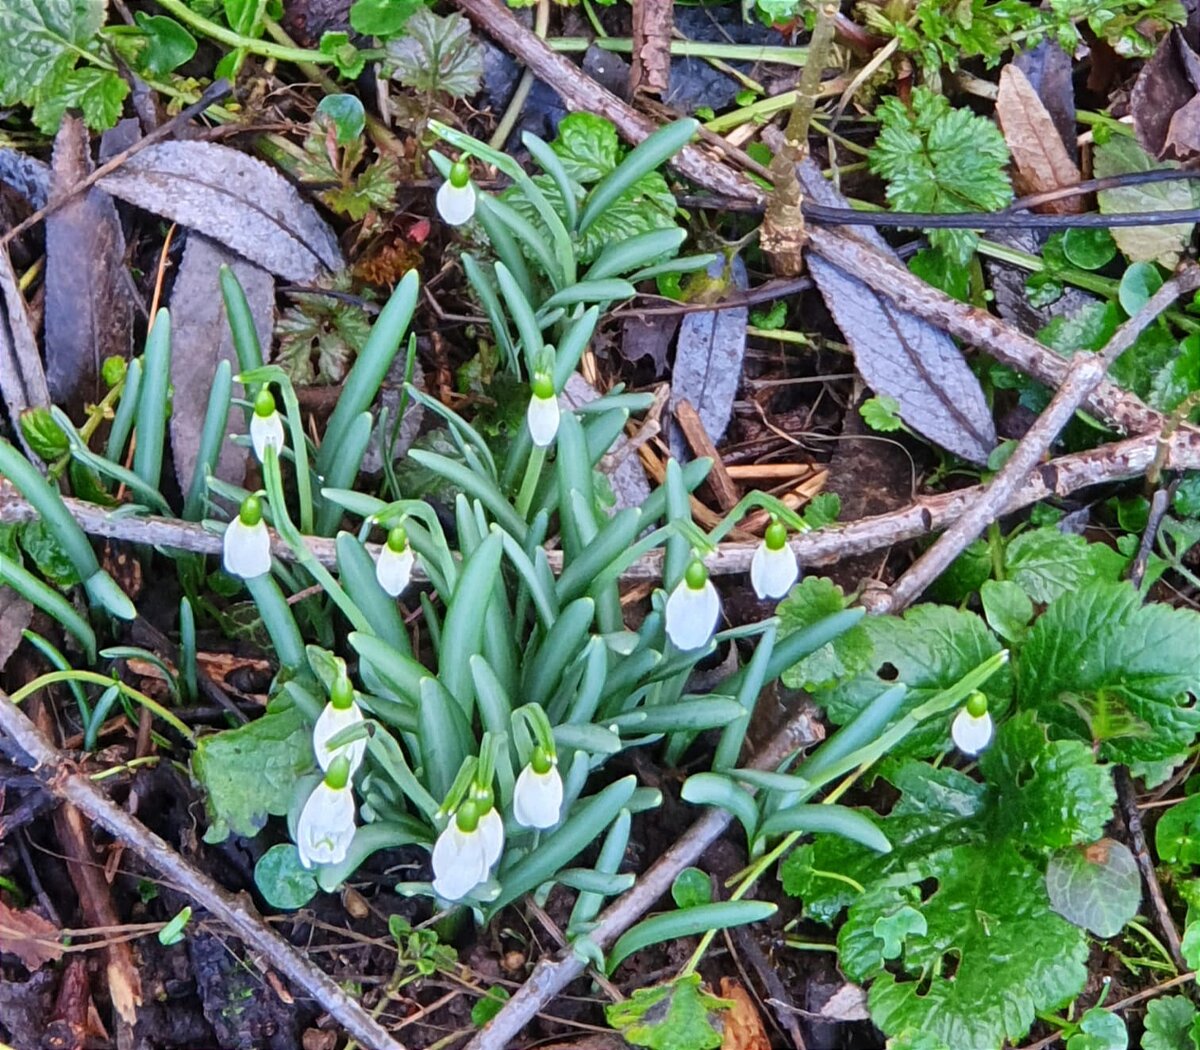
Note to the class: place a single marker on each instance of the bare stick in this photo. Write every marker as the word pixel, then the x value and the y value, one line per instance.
pixel 553 974
pixel 61 778
pixel 1084 375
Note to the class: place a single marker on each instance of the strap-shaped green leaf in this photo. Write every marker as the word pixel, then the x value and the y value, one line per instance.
pixel 540 150
pixel 716 789
pixel 356 570
pixel 212 437
pixel 462 630
pixel 851 824
pixel 152 403
pixel 635 252
pixel 687 923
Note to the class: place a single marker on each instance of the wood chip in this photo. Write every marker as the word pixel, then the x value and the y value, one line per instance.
pixel 724 489
pixel 32 939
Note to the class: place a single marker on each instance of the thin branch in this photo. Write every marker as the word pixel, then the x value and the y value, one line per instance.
pixel 60 777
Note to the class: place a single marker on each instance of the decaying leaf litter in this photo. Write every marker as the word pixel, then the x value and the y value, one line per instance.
pixel 276 230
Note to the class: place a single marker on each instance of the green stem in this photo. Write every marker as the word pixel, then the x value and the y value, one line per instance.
pixel 533 474
pixel 786 56
pixel 235 40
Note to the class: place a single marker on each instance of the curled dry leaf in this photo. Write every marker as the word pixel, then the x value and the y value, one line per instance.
pixel 1041 160
pixel 89 302
pixel 1050 70
pixel 743 1026
pixel 22 380
pixel 1164 103
pixel 15 614
pixel 236 200
pixel 32 939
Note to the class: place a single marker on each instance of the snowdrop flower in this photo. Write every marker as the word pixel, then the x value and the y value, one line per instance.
pixel 247 547
pixel 340 713
pixel 491 827
pixel 465 851
pixel 456 196
pixel 538 796
pixel 393 567
pixel 972 726
pixel 543 411
pixel 692 609
pixel 266 425
pixel 327 820
pixel 774 568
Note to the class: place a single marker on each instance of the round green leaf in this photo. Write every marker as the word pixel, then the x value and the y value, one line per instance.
pixel 346 114
pixel 1089 249
pixel 282 880
pixel 1099 1030
pixel 1139 282
pixel 1096 886
pixel 691 888
pixel 1177 835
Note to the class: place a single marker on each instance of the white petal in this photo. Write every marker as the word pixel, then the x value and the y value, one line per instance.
pixel 692 615
pixel 537 798
pixel 773 572
pixel 247 549
pixel 266 432
pixel 331 722
pixel 459 864
pixel 971 735
pixel 326 825
pixel 394 570
pixel 454 204
pixel 491 829
pixel 543 418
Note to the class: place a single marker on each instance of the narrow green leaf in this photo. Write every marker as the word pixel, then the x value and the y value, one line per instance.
pixel 122 424
pixel 462 630
pixel 674 925
pixel 279 621
pixel 635 252
pixel 552 166
pixel 356 569
pixel 152 403
pixel 852 824
pixel 716 789
pixel 44 597
pixel 445 736
pixel 212 438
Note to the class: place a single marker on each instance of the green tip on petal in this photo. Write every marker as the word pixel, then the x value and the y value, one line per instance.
pixel 977 705
pixel 776 535
pixel 543 386
pixel 541 761
pixel 251 512
pixel 264 403
pixel 468 816
pixel 460 174
pixel 696 575
pixel 338 774
pixel 341 695
pixel 397 539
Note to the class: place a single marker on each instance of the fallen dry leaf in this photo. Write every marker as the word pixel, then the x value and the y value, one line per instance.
pixel 653 21
pixel 743 1026
pixel 32 939
pixel 1163 102
pixel 1041 160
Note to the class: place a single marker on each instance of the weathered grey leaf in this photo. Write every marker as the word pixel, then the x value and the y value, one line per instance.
pixel 648 337
pixel 708 362
pixel 437 54
pixel 89 299
pixel 1050 70
pixel 1097 887
pixel 27 175
pixel 389 399
pixel 200 340
pixel 15 614
pixel 900 355
pixel 22 380
pixel 621 466
pixel 234 199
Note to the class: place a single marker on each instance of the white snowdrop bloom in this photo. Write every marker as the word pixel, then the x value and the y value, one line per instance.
pixel 266 425
pixel 339 714
pixel 774 568
pixel 456 196
pixel 543 414
pixel 246 548
pixel 326 824
pixel 491 827
pixel 460 854
pixel 394 566
pixel 538 795
pixel 972 727
pixel 692 609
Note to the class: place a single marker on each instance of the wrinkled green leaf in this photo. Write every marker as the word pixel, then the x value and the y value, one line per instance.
pixel 1168 1024
pixel 1047 563
pixel 674 1016
pixel 810 601
pixel 1097 886
pixel 436 55
pixel 1099 1030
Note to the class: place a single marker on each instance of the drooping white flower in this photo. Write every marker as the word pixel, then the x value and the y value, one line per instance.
pixel 543 414
pixel 393 567
pixel 972 727
pixel 266 425
pixel 246 548
pixel 326 825
pixel 339 714
pixel 491 827
pixel 538 795
pixel 774 568
pixel 456 196
pixel 692 609
pixel 461 854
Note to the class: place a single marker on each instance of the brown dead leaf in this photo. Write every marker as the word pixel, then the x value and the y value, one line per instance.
pixel 653 21
pixel 743 1026
pixel 1165 116
pixel 1041 160
pixel 32 939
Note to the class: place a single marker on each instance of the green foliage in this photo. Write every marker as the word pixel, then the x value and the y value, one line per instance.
pixel 249 773
pixel 691 888
pixel 675 1016
pixel 1170 1024
pixel 1099 1029
pixel 882 413
pixel 437 55
pixel 1177 834
pixel 490 1004
pixel 810 601
pixel 382 18
pixel 1097 886
pixel 282 880
pixel 334 151
pixel 319 336
pixel 419 953
pixel 939 159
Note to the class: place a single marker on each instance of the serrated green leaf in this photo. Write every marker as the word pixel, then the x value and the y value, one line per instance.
pixel 1101 665
pixel 1120 155
pixel 41 41
pixel 97 93
pixel 48 554
pixel 1177 834
pixel 436 55
pixel 1168 1024
pixel 942 160
pixel 675 1016
pixel 1007 608
pixel 1047 563
pixel 810 601
pixel 44 435
pixel 881 413
pixel 588 146
pixel 1097 886
pixel 250 773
